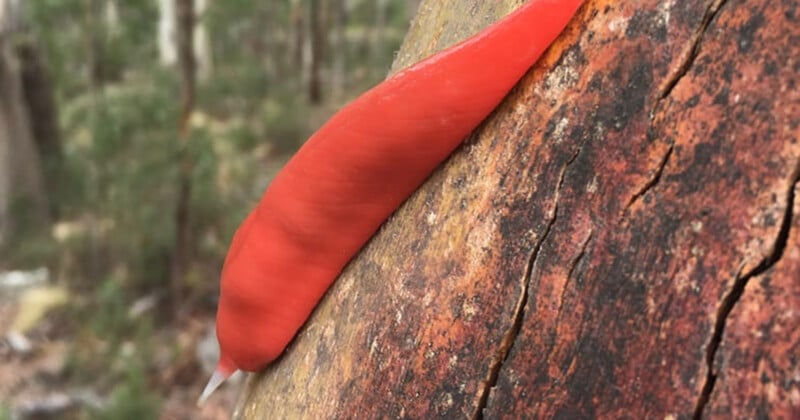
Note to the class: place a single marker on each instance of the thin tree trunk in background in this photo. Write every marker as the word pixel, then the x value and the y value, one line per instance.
pixel 317 52
pixel 5 147
pixel 379 38
pixel 167 43
pixel 180 258
pixel 265 44
pixel 167 37
pixel 5 175
pixel 91 40
pixel 298 38
pixel 202 43
pixel 341 15
pixel 111 17
pixel 95 34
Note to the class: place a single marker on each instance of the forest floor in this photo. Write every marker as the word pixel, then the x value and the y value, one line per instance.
pixel 37 378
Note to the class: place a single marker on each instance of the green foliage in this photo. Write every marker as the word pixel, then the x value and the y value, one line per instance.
pixel 132 399
pixel 114 350
pixel 236 90
pixel 126 174
pixel 30 243
pixel 67 29
pixel 109 318
pixel 285 122
pixel 31 252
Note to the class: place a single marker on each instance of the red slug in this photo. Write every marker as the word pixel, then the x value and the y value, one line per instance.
pixel 348 178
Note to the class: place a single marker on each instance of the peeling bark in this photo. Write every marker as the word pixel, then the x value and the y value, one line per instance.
pixel 617 240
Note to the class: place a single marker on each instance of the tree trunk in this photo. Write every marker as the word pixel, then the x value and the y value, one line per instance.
pixel 339 47
pixel 23 196
pixel 95 44
pixel 23 200
pixel 39 98
pixel 111 17
pixel 12 13
pixel 619 239
pixel 298 37
pixel 188 68
pixel 202 42
pixel 378 41
pixel 317 37
pixel 167 35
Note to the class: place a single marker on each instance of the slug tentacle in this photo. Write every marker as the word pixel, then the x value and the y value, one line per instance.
pixel 346 180
pixel 217 378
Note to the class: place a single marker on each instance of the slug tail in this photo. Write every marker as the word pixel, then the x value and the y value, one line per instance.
pixel 220 375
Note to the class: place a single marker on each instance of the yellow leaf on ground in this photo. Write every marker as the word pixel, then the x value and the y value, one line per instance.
pixel 34 304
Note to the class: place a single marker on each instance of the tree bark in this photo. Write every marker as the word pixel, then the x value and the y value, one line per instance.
pixel 618 240
pixel 298 44
pixel 167 37
pixel 39 99
pixel 12 14
pixel 317 36
pixel 339 48
pixel 23 199
pixel 167 34
pixel 378 41
pixel 202 42
pixel 188 69
pixel 96 33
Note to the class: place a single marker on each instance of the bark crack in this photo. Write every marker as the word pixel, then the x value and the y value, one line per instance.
pixel 687 59
pixel 690 54
pixel 733 296
pixel 652 182
pixel 519 310
pixel 575 263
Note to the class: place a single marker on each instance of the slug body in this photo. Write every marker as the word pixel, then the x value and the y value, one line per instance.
pixel 348 178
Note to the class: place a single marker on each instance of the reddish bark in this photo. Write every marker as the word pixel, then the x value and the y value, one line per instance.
pixel 618 239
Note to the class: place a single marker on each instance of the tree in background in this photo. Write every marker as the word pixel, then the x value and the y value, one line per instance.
pixel 23 201
pixel 24 204
pixel 167 37
pixel 188 71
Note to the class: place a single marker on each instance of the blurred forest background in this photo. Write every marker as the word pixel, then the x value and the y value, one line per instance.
pixel 134 137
